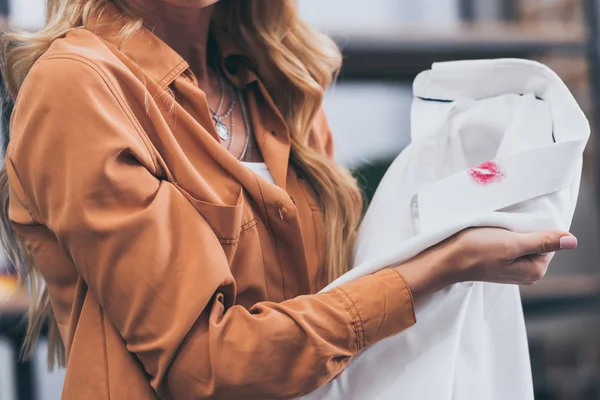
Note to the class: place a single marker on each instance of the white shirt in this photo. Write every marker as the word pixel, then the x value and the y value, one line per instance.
pixel 261 169
pixel 494 143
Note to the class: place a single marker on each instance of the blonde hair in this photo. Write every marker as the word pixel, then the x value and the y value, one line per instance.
pixel 296 65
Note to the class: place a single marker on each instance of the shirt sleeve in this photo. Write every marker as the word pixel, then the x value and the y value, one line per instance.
pixel 86 170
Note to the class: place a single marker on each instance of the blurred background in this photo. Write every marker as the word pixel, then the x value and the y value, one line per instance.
pixel 386 43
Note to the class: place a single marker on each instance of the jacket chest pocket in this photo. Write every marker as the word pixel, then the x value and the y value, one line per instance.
pixel 237 229
pixel 228 222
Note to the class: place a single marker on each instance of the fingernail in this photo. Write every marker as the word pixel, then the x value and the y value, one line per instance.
pixel 568 242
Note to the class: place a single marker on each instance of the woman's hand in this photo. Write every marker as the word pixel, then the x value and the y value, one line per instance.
pixel 485 254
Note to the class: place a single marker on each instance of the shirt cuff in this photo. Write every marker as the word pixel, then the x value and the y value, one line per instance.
pixel 380 305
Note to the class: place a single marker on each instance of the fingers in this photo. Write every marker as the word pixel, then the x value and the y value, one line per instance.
pixel 543 242
pixel 530 269
pixel 568 242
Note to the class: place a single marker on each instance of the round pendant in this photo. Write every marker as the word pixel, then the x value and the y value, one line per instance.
pixel 222 130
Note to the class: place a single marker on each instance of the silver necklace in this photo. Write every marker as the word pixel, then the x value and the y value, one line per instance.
pixel 232 123
pixel 221 127
pixel 226 133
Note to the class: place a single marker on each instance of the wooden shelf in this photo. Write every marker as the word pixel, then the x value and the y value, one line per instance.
pixel 401 53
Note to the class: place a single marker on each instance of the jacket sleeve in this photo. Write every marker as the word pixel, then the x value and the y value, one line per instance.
pixel 155 266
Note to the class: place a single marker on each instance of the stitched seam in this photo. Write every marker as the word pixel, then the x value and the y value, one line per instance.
pixel 360 320
pixel 22 196
pixel 31 214
pixel 268 223
pixel 122 103
pixel 248 225
pixel 362 325
pixel 244 228
pixel 225 238
pixel 344 296
pixel 412 302
pixel 338 292
pixel 164 82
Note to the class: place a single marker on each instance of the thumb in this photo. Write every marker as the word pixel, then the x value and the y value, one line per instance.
pixel 542 242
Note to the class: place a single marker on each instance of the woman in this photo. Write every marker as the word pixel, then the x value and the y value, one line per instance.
pixel 176 267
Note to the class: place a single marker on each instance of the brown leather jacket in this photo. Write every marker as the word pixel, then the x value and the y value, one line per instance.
pixel 174 271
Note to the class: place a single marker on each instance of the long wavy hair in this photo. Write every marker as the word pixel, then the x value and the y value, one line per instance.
pixel 296 65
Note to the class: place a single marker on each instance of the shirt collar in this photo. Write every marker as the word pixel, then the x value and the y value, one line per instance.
pixel 159 61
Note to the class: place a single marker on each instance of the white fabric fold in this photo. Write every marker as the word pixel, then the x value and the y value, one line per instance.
pixel 494 143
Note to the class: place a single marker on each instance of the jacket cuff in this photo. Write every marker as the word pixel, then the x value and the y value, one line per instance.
pixel 380 305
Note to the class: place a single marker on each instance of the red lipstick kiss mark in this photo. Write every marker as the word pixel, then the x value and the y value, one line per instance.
pixel 486 173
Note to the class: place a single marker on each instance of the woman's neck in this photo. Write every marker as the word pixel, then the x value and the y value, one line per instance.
pixel 183 28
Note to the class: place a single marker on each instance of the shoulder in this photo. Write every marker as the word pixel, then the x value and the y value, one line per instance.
pixel 83 45
pixel 75 63
pixel 72 61
pixel 55 92
pixel 72 102
pixel 73 80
